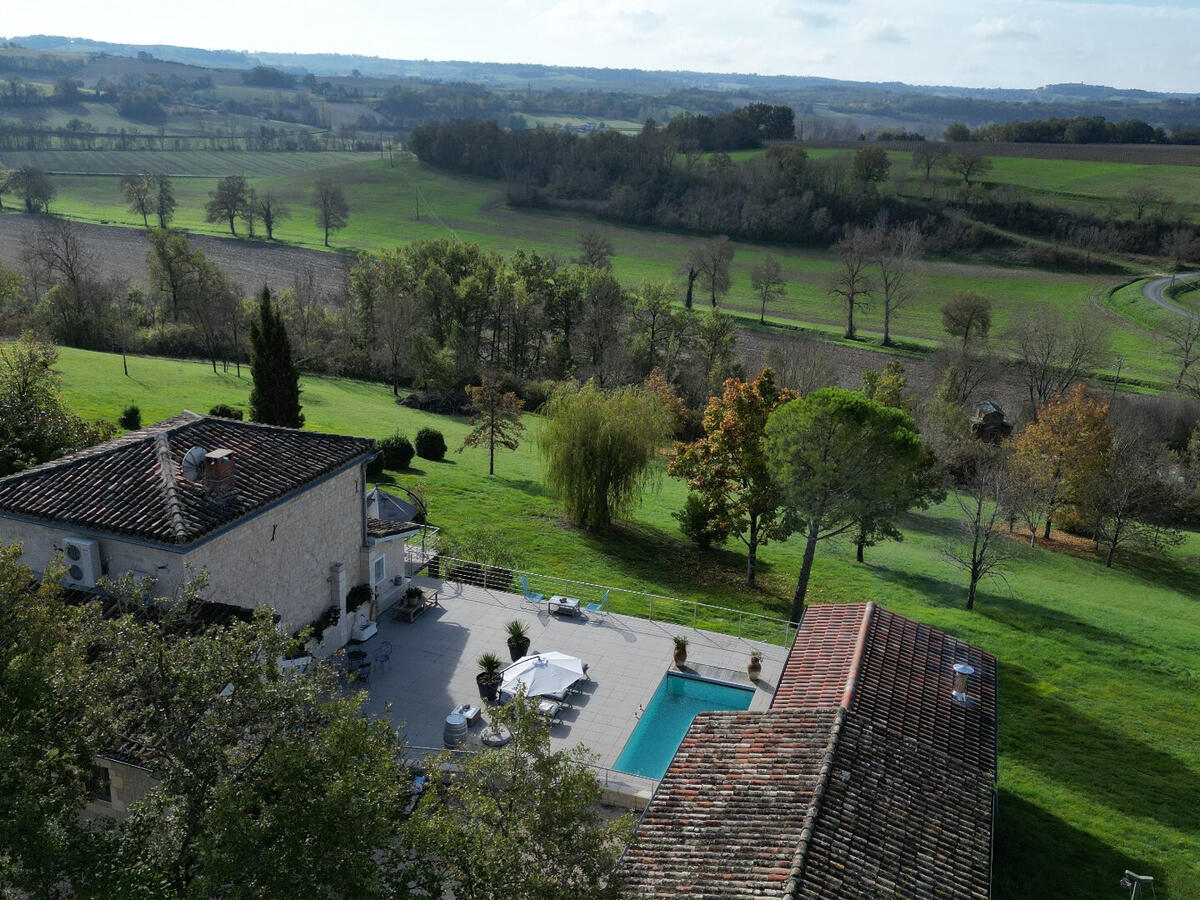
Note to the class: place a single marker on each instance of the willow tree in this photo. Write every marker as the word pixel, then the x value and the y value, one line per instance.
pixel 599 447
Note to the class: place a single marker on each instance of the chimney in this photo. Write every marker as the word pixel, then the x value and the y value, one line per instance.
pixel 220 476
pixel 962 681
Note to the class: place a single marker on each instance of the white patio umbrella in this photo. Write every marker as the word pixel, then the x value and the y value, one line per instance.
pixel 542 674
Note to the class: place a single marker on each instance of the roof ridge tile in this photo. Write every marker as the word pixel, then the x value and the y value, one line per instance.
pixel 166 469
pixel 796 873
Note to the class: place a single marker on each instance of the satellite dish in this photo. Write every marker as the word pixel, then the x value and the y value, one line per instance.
pixel 192 464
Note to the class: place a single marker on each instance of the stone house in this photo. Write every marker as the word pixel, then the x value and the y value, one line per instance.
pixel 272 516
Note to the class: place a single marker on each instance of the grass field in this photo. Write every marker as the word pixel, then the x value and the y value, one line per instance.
pixel 391 205
pixel 210 163
pixel 1100 729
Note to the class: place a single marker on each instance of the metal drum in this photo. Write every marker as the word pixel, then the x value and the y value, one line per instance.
pixel 455 733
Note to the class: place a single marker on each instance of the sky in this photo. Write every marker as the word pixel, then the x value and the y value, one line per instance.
pixel 1148 44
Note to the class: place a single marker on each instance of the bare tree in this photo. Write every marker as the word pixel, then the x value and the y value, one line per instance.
pixel 969 163
pixel 1052 353
pixel 928 155
pixel 271 210
pixel 595 249
pixel 963 371
pixel 1140 197
pixel 5 175
pixel 713 262
pixel 768 282
pixel 333 212
pixel 1184 335
pixel 896 253
pixel 979 552
pixel 139 193
pixel 803 365
pixel 968 315
pixel 1180 245
pixel 852 283
pixel 58 248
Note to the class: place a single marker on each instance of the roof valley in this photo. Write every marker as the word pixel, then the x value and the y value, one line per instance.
pixel 166 469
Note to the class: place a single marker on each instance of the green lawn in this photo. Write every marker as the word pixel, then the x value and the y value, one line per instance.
pixel 384 202
pixel 212 163
pixel 1099 672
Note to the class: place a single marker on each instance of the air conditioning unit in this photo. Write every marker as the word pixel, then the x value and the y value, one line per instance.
pixel 83 562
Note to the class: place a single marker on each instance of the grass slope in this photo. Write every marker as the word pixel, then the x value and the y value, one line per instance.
pixel 1099 747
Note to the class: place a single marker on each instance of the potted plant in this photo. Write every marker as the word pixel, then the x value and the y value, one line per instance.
pixel 518 639
pixel 680 652
pixel 754 667
pixel 488 678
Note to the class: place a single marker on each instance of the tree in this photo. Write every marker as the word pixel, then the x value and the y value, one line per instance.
pixel 599 447
pixel 968 317
pixel 870 167
pixel 173 265
pixel 1141 196
pixel 595 249
pixel 727 467
pixel 6 175
pixel 715 350
pixel 653 323
pixel 851 282
pixel 140 195
pixel 768 283
pixel 35 423
pixel 228 202
pixel 969 163
pixel 929 155
pixel 165 203
pixel 275 397
pixel 1067 441
pixel 1179 245
pixel 384 291
pixel 1184 337
pixel 833 453
pixel 980 552
pixel 957 132
pixel 712 261
pixel 803 365
pixel 896 253
pixel 34 187
pixel 333 212
pixel 272 211
pixel 1053 353
pixel 263 780
pixel 471 835
pixel 249 213
pixel 496 417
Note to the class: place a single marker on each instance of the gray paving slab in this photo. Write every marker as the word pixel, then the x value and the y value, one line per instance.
pixel 433 665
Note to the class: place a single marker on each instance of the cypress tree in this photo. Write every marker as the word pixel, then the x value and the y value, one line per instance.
pixel 275 397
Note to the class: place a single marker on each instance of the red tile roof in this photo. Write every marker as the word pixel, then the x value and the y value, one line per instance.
pixel 133 486
pixel 900 800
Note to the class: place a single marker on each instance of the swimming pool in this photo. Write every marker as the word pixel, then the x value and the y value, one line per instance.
pixel 667 718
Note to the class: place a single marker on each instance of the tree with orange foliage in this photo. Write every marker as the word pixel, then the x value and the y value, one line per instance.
pixel 1064 448
pixel 728 468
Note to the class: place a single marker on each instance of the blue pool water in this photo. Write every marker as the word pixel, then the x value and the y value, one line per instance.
pixel 667 718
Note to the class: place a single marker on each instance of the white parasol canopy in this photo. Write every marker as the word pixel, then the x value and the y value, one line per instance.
pixel 542 674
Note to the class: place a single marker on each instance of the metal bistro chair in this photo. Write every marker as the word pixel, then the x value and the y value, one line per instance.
pixel 601 607
pixel 529 595
pixel 383 656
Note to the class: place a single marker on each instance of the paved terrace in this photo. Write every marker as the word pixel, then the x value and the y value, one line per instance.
pixel 433 667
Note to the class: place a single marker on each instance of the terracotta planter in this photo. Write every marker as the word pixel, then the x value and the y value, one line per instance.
pixel 518 647
pixel 754 669
pixel 680 657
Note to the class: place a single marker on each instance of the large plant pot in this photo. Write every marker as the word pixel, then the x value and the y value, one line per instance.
pixel 487 688
pixel 518 647
pixel 754 669
pixel 680 657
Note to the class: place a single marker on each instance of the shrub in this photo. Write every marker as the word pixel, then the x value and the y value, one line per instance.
pixel 131 419
pixel 396 452
pixel 357 596
pixel 698 523
pixel 225 411
pixel 430 444
pixel 483 556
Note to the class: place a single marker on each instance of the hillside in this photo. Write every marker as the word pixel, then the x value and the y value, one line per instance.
pixel 1099 757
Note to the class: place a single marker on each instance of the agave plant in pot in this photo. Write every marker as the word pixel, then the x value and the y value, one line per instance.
pixel 681 645
pixel 488 678
pixel 518 639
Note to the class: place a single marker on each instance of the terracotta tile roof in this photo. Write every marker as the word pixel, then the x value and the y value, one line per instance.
pixel 133 486
pixel 728 815
pixel 899 802
pixel 819 665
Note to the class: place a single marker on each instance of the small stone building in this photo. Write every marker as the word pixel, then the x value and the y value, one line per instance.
pixel 988 423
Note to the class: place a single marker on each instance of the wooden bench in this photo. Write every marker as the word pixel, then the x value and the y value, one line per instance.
pixel 408 608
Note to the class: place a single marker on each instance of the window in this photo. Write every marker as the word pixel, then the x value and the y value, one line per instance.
pixel 380 569
pixel 101 784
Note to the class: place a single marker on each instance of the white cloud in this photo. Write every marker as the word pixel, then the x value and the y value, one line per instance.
pixel 1001 29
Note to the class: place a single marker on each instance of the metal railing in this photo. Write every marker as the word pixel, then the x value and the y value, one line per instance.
pixel 419 756
pixel 419 547
pixel 640 604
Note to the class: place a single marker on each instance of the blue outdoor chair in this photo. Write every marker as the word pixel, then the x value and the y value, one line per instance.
pixel 529 595
pixel 601 607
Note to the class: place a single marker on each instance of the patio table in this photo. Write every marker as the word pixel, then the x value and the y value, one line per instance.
pixel 567 605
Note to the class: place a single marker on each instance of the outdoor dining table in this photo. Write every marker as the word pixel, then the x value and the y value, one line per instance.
pixel 568 605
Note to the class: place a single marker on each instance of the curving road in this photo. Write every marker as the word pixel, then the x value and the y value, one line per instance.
pixel 1155 290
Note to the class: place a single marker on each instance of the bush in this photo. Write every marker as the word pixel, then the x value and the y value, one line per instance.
pixel 483 556
pixel 396 452
pixel 696 521
pixel 357 596
pixel 226 412
pixel 131 419
pixel 430 444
